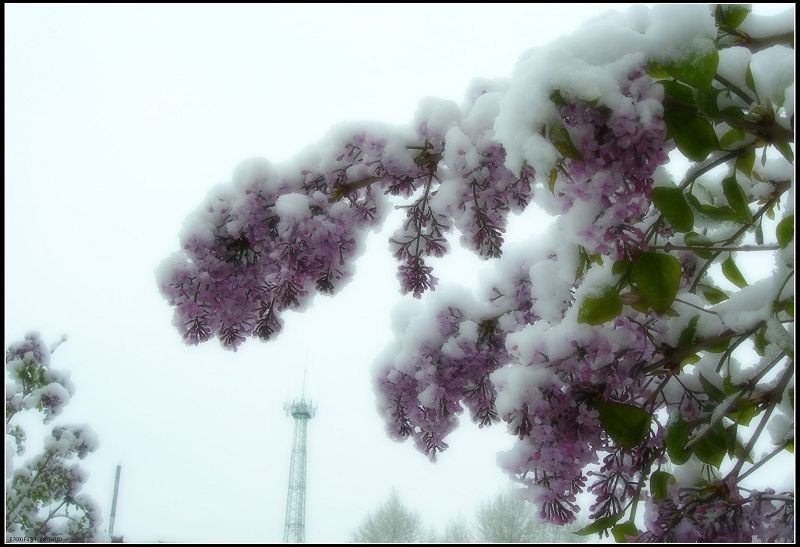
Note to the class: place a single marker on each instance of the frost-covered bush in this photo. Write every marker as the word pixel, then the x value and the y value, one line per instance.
pixel 613 348
pixel 44 501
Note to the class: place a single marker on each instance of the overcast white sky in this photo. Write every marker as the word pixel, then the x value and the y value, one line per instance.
pixel 118 121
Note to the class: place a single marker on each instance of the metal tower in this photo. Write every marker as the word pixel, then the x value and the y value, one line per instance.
pixel 294 529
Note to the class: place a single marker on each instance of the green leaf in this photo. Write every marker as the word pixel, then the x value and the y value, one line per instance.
pixel 731 137
pixel 560 138
pixel 656 71
pixel 732 273
pixel 788 306
pixel 656 277
pixel 710 448
pixel 737 199
pixel 706 101
pixel 741 453
pixel 693 134
pixel 789 446
pixel 784 231
pixel 731 439
pixel 748 79
pixel 621 531
pixel 693 239
pixel 620 267
pixel 697 70
pixel 599 525
pixel 553 178
pixel 760 232
pixel 679 92
pixel 771 212
pixel 745 162
pixel 731 16
pixel 785 150
pixel 713 212
pixel 760 342
pixel 659 481
pixel 596 310
pixel 557 99
pixel 711 390
pixel 719 347
pixel 673 206
pixel 743 411
pixel 687 335
pixel 692 359
pixel 627 425
pixel 676 438
pixel 713 294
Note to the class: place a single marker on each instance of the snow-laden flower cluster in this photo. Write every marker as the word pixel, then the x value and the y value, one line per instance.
pixel 606 355
pixel 43 495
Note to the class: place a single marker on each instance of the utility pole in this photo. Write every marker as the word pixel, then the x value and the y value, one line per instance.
pixel 114 504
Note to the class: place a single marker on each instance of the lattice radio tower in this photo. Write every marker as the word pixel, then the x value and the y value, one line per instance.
pixel 294 528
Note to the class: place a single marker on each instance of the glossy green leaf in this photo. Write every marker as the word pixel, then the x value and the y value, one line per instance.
pixel 760 341
pixel 743 411
pixel 730 16
pixel 622 531
pixel 659 481
pixel 711 390
pixel 786 150
pixel 706 101
pixel 745 162
pixel 690 360
pixel 679 92
pixel 729 433
pixel 598 309
pixel 672 204
pixel 748 80
pixel 687 335
pixel 627 425
pixel 599 525
pixel 676 438
pixel 710 448
pixel 713 212
pixel 620 267
pixel 713 294
pixel 553 178
pixel 784 231
pixel 737 199
pixel 656 277
pixel 732 273
pixel 693 134
pixel 697 70
pixel 731 137
pixel 560 138
pixel 693 239
pixel 719 347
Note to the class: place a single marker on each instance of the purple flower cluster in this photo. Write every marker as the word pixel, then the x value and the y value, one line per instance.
pixel 421 392
pixel 619 151
pixel 556 420
pixel 272 241
pixel 278 236
pixel 720 512
pixel 480 190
